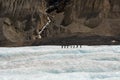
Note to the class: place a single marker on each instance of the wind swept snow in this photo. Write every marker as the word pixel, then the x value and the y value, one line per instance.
pixel 56 63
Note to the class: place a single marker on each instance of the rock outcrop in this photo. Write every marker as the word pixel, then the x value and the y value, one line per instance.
pixel 21 21
pixel 87 18
pixel 97 17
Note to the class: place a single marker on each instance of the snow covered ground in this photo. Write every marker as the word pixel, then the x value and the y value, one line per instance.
pixel 55 63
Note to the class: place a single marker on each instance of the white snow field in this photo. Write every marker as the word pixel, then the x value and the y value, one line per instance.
pixel 55 63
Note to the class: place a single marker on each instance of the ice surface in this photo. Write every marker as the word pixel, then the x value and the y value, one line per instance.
pixel 56 63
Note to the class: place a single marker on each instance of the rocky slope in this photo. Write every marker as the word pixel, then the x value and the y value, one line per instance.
pixel 98 17
pixel 22 21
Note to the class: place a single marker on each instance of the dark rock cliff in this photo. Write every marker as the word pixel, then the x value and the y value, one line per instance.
pixel 87 21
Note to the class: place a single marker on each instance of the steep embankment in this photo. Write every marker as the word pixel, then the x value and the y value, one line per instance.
pixel 86 18
pixel 21 23
pixel 89 17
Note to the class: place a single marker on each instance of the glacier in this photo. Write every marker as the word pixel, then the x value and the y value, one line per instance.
pixel 56 63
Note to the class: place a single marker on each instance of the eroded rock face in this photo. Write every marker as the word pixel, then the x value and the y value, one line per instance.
pixel 93 17
pixel 21 20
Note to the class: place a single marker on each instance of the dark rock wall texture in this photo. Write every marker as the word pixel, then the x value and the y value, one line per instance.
pixel 93 17
pixel 21 20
